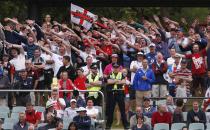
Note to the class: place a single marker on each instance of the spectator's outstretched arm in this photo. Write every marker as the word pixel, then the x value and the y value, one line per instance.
pixel 75 49
pixel 156 18
pixel 16 46
pixel 208 40
pixel 2 35
pixel 11 20
pixel 45 49
pixel 32 33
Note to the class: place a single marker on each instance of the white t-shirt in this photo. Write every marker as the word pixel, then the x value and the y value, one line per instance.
pixel 70 112
pixel 18 62
pixel 58 62
pixel 46 57
pixel 138 65
pixel 84 55
pixel 170 61
pixel 85 69
pixel 92 111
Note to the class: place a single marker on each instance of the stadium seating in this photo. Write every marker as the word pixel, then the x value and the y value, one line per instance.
pixel 14 115
pixel 3 115
pixel 4 109
pixel 11 120
pixel 7 126
pixel 184 116
pixel 161 126
pixel 39 108
pixel 196 126
pixel 177 126
pixel 18 109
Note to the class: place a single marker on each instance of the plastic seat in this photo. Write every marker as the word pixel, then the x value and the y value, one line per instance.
pixel 67 120
pixel 184 116
pixel 4 109
pixel 7 126
pixel 99 111
pixel 196 126
pixel 11 120
pixel 39 108
pixel 177 126
pixel 208 126
pixel 3 115
pixel 161 126
pixel 65 125
pixel 15 115
pixel 41 124
pixel 18 109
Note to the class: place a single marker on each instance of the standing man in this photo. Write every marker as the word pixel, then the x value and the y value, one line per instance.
pixel 93 83
pixel 143 82
pixel 151 55
pixel 198 68
pixel 67 66
pixel 183 78
pixel 159 88
pixel 24 82
pixel 134 66
pixel 115 94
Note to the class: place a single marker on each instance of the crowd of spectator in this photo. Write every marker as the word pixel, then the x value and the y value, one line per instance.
pixel 128 61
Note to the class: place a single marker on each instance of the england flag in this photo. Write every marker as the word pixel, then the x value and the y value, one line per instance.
pixel 82 17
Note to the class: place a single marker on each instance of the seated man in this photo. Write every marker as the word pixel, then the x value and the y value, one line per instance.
pixel 161 116
pixel 22 124
pixel 196 115
pixel 133 119
pixel 58 103
pixel 71 111
pixel 91 110
pixel 147 108
pixel 32 116
pixel 83 122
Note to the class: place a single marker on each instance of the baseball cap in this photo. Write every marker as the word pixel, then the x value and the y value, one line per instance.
pixel 49 104
pixel 114 55
pixel 140 53
pixel 73 100
pixel 152 45
pixel 115 65
pixel 146 99
pixel 81 109
pixel 94 66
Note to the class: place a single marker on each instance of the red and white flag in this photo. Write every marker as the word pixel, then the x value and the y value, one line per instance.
pixel 82 16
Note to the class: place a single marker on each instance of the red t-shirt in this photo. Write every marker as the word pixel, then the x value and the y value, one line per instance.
pixel 79 82
pixel 157 118
pixel 198 62
pixel 33 116
pixel 107 49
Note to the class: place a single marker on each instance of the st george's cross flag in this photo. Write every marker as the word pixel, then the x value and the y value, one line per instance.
pixel 82 16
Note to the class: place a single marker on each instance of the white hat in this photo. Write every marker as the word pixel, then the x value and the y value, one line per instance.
pixel 152 45
pixel 49 104
pixel 140 53
pixel 73 100
pixel 81 109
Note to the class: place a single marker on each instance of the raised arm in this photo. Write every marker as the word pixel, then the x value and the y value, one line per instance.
pixel 15 46
pixel 44 49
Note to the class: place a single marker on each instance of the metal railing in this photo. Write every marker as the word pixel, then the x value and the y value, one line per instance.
pixel 47 91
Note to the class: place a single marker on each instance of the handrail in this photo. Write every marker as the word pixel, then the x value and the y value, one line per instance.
pixel 159 98
pixel 33 90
